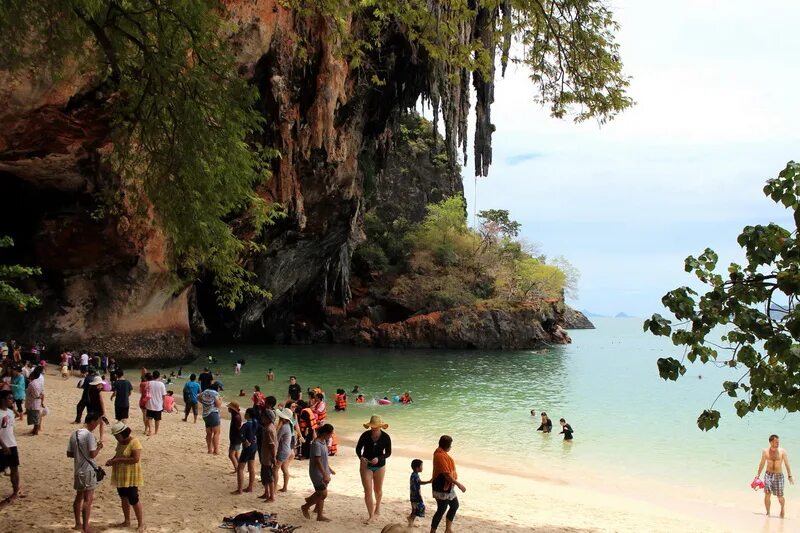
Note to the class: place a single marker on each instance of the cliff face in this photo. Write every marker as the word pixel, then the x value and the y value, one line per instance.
pixel 328 123
pixel 574 319
pixel 512 328
pixel 415 176
pixel 107 285
pixel 106 282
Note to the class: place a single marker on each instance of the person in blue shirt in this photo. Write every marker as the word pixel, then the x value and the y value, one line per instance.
pixel 18 389
pixel 190 391
pixel 417 504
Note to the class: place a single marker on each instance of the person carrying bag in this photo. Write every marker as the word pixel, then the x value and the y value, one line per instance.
pixel 83 449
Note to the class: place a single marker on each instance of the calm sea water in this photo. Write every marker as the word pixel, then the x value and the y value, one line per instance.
pixel 626 419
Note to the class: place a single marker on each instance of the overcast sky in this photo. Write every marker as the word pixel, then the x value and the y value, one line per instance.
pixel 717 114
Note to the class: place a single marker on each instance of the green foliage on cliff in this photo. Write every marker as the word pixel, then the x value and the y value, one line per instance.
pixel 181 115
pixel 568 46
pixel 441 262
pixel 11 275
pixel 755 305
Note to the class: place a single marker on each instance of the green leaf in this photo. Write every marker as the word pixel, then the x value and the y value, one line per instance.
pixel 708 419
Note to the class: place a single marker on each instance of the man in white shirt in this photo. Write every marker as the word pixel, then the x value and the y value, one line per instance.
pixel 155 404
pixel 9 457
pixel 84 363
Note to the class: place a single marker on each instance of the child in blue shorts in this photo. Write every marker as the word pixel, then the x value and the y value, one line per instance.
pixel 417 505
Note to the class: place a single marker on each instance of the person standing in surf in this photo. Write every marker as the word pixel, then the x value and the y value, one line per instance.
pixel 547 424
pixel 774 457
pixel 566 429
pixel 295 390
pixel 373 448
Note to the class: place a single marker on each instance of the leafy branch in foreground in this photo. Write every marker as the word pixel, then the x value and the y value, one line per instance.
pixel 182 117
pixel 756 304
pixel 9 274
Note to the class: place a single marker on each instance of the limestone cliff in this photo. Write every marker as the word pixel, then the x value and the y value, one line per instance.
pixel 415 176
pixel 574 319
pixel 107 284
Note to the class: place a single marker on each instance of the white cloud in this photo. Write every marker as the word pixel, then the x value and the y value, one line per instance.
pixel 717 115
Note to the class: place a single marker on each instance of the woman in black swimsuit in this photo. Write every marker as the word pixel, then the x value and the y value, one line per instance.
pixel 373 448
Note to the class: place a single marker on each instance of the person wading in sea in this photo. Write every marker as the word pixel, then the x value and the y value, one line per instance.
pixel 774 457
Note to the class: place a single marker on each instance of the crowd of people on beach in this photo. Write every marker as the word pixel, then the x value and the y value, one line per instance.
pixel 267 430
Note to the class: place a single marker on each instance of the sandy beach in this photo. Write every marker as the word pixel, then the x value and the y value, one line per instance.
pixel 188 490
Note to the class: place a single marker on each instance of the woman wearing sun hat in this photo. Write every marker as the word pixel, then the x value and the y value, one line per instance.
pixel 373 448
pixel 285 452
pixel 126 473
pixel 95 404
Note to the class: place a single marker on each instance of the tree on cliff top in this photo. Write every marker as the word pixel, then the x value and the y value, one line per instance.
pixel 181 117
pixel 756 304
pixel 450 264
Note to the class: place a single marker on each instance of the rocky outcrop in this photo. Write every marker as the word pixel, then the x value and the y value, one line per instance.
pixel 483 327
pixel 574 319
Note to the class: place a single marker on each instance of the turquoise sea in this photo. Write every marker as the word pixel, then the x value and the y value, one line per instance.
pixel 626 419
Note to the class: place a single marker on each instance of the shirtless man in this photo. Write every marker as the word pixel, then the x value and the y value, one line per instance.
pixel 774 457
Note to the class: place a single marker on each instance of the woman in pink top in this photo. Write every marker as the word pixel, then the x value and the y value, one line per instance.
pixel 169 402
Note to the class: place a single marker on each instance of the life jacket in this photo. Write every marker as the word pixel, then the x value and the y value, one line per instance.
pixel 259 399
pixel 333 444
pixel 341 402
pixel 321 412
pixel 304 423
pixel 359 400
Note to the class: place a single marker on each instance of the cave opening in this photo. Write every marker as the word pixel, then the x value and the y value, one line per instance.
pixel 25 207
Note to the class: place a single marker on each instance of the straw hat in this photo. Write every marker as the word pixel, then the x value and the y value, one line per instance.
pixel 376 421
pixel 285 413
pixel 234 406
pixel 97 380
pixel 118 427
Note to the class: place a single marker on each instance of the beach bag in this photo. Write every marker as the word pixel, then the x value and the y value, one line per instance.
pixel 99 473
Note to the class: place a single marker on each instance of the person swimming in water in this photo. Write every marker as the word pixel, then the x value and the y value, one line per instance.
pixel 566 429
pixel 547 424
